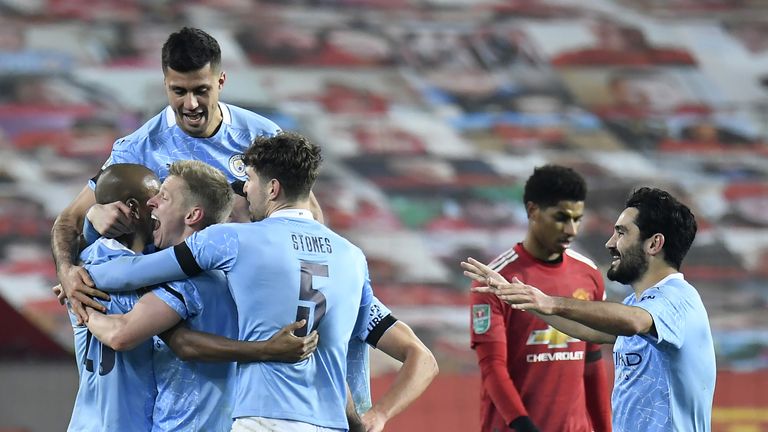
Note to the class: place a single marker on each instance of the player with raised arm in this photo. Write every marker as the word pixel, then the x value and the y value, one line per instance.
pixel 663 351
pixel 195 125
pixel 527 366
pixel 284 267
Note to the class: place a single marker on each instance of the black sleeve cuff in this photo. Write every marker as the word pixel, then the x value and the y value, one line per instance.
pixel 523 424
pixel 186 259
pixel 592 356
pixel 174 293
pixel 378 331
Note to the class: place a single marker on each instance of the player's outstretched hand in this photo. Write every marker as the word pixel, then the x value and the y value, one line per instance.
pixel 520 296
pixel 480 272
pixel 286 347
pixel 79 290
pixel 517 294
pixel 111 220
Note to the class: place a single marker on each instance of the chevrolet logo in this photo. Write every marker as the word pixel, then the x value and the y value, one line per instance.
pixel 551 337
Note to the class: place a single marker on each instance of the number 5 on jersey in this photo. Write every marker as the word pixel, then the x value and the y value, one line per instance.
pixel 311 301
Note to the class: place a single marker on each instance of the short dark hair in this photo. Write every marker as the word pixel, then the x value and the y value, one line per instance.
pixel 190 49
pixel 550 184
pixel 288 157
pixel 660 212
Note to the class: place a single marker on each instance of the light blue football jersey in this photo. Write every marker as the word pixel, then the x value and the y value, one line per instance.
pixel 380 319
pixel 196 396
pixel 283 268
pixel 160 142
pixel 666 383
pixel 117 389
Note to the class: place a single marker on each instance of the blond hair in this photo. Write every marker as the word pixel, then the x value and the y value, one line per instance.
pixel 206 187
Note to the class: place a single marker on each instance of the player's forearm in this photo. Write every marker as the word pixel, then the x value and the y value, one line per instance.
pixel 492 359
pixel 65 234
pixel 131 273
pixel 65 240
pixel 191 345
pixel 606 317
pixel 353 418
pixel 415 375
pixel 110 330
pixel 576 329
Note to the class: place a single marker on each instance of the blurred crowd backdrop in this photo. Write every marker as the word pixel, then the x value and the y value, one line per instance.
pixel 431 114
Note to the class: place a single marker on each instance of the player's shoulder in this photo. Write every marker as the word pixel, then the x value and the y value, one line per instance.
pixel 580 258
pixel 227 228
pixel 159 124
pixel 221 235
pixel 243 119
pixel 102 250
pixel 507 258
pixel 675 286
pixel 188 291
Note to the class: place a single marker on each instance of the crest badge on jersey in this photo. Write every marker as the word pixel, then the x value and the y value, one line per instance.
pixel 237 166
pixel 481 318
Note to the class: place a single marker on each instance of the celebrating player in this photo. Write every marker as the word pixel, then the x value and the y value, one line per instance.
pixel 192 395
pixel 195 125
pixel 117 390
pixel 284 267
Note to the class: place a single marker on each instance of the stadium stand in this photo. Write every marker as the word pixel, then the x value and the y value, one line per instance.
pixel 431 114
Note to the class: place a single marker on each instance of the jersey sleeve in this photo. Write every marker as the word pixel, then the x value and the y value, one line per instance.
pixel 361 324
pixel 90 235
pixel 209 249
pixel 134 272
pixel 488 338
pixel 668 312
pixel 181 296
pixel 487 319
pixel 215 247
pixel 380 319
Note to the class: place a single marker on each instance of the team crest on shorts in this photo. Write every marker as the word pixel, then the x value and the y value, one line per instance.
pixel 481 318
pixel 237 165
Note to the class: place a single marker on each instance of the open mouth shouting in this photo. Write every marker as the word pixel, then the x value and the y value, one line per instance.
pixel 194 119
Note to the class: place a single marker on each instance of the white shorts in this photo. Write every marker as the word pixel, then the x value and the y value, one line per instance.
pixel 264 424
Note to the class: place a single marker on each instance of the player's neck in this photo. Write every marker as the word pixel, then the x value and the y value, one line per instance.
pixel 536 250
pixel 294 205
pixel 656 272
pixel 216 123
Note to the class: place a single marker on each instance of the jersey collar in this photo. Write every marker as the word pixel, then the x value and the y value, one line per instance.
pixel 293 213
pixel 668 278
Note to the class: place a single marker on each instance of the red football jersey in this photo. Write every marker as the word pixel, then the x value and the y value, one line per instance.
pixel 546 366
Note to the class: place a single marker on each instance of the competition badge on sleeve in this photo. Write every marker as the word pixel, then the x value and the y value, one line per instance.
pixel 481 318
